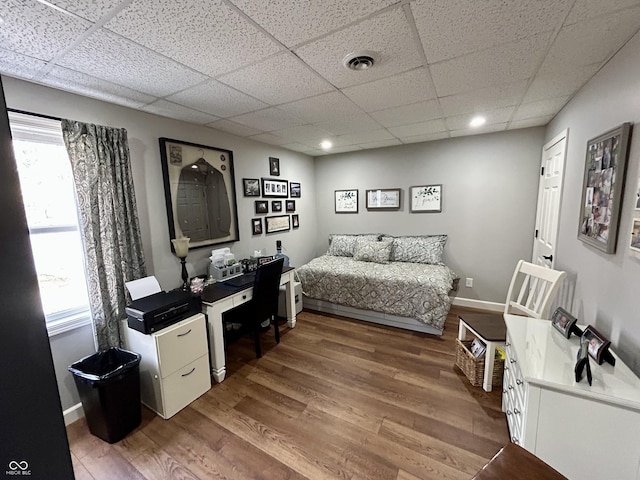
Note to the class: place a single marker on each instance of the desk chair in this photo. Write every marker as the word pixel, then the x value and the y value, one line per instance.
pixel 264 303
pixel 530 294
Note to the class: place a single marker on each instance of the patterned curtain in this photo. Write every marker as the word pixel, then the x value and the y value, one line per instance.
pixel 109 221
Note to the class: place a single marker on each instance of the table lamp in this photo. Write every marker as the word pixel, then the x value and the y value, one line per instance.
pixel 181 248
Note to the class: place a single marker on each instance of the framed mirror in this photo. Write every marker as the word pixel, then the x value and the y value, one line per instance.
pixel 199 188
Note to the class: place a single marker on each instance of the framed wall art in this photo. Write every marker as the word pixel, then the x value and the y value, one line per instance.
pixel 426 198
pixel 199 188
pixel 383 199
pixel 290 206
pixel 294 189
pixel 262 206
pixel 274 166
pixel 275 188
pixel 634 244
pixel 295 221
pixel 276 206
pixel 256 226
pixel 603 183
pixel 251 187
pixel 346 201
pixel 279 223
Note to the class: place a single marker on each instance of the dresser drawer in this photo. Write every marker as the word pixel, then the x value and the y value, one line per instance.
pixel 184 386
pixel 181 344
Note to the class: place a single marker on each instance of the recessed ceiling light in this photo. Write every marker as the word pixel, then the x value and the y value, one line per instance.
pixel 477 121
pixel 326 144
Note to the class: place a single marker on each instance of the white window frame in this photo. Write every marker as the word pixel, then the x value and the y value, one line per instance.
pixel 31 127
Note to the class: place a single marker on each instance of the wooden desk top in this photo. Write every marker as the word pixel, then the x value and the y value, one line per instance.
pixel 489 326
pixel 219 290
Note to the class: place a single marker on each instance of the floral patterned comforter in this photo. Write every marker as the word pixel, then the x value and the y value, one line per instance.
pixel 412 290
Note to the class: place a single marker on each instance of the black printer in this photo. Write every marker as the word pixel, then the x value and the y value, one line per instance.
pixel 158 311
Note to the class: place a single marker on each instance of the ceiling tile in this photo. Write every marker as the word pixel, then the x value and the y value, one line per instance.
pixel 362 137
pixel 484 99
pixel 328 106
pixel 451 28
pixel 279 79
pixel 342 149
pixel 353 124
pixel 381 143
pixel 530 122
pixel 217 99
pixel 557 80
pixel 499 127
pixel 269 138
pixel 89 86
pixel 403 89
pixel 268 120
pixel 308 134
pixel 302 20
pixel 172 110
pixel 425 138
pixel 502 64
pixel 595 40
pixel 117 60
pixel 499 115
pixel 540 108
pixel 234 128
pixel 588 9
pixel 89 9
pixel 388 34
pixel 24 24
pixel 221 33
pixel 417 112
pixel 296 147
pixel 422 128
pixel 18 65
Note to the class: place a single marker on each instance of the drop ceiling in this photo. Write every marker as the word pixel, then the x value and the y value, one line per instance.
pixel 272 71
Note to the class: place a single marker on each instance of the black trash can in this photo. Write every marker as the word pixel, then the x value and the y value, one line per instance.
pixel 109 386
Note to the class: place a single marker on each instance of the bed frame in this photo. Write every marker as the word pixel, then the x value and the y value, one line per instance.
pixel 370 316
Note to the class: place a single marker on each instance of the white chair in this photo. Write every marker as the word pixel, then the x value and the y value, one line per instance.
pixel 531 292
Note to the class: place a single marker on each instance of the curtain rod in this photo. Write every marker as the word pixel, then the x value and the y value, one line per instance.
pixel 41 115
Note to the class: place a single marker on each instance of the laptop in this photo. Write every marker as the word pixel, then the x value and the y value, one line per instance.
pixel 242 280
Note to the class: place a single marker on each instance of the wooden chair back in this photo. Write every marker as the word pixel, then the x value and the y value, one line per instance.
pixel 532 290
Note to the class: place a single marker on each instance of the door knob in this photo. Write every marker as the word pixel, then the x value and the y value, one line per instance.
pixel 548 257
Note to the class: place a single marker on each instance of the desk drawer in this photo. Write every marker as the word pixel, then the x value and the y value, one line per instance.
pixel 181 344
pixel 242 297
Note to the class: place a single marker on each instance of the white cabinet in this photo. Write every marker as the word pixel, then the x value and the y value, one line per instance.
pixel 583 431
pixel 174 369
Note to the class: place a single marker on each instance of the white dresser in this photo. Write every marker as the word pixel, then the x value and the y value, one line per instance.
pixel 585 432
pixel 174 369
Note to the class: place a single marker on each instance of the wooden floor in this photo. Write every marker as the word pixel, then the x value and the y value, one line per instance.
pixel 336 399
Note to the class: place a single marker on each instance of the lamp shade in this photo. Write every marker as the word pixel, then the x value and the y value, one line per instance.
pixel 181 246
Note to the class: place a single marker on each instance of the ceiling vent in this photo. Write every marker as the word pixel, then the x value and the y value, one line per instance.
pixel 362 60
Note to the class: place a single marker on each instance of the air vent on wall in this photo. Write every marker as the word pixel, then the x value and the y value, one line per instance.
pixel 362 60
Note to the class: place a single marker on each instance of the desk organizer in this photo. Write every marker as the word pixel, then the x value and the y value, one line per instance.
pixel 225 273
pixel 473 367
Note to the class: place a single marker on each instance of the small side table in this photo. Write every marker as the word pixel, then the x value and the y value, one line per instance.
pixel 491 330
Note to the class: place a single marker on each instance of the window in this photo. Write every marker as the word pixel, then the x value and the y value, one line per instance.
pixel 49 199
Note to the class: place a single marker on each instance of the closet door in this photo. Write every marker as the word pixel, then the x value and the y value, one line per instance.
pixel 33 439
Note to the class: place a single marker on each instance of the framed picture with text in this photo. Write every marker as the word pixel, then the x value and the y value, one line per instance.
pixel 346 201
pixel 383 199
pixel 426 198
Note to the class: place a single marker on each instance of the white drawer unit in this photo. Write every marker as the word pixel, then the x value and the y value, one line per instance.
pixel 174 369
pixel 583 431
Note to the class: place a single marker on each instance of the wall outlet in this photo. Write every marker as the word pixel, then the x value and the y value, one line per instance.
pixel 468 282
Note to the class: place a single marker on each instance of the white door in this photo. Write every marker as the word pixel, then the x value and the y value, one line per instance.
pixel 549 197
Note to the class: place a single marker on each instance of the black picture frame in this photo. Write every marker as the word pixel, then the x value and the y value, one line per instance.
pixel 178 159
pixel 295 190
pixel 564 322
pixel 256 226
pixel 603 184
pixel 295 221
pixel 261 206
pixel 290 206
pixel 278 223
pixel 251 187
pixel 274 188
pixel 383 199
pixel 598 345
pixel 276 206
pixel 274 166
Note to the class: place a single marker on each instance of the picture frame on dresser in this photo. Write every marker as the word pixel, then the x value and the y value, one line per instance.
pixel 598 345
pixel 565 323
pixel 603 182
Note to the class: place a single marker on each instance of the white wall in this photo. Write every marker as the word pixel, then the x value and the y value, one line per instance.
pixel 607 285
pixel 490 187
pixel 250 160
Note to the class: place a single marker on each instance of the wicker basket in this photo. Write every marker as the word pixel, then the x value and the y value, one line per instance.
pixel 473 367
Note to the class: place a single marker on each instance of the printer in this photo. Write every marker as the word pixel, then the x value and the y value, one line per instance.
pixel 155 312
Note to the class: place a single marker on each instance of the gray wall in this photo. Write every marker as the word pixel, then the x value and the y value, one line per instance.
pixel 490 187
pixel 250 158
pixel 606 284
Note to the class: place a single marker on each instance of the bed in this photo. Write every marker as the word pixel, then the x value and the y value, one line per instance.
pixel 398 281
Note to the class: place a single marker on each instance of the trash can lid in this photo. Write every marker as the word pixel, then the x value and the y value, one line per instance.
pixel 105 364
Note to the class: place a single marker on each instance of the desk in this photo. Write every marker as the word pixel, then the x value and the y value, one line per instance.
pixel 219 298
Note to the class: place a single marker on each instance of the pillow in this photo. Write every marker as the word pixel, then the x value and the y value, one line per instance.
pixel 367 250
pixel 421 249
pixel 342 245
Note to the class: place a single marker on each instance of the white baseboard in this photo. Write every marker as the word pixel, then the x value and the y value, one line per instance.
pixel 480 304
pixel 73 413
